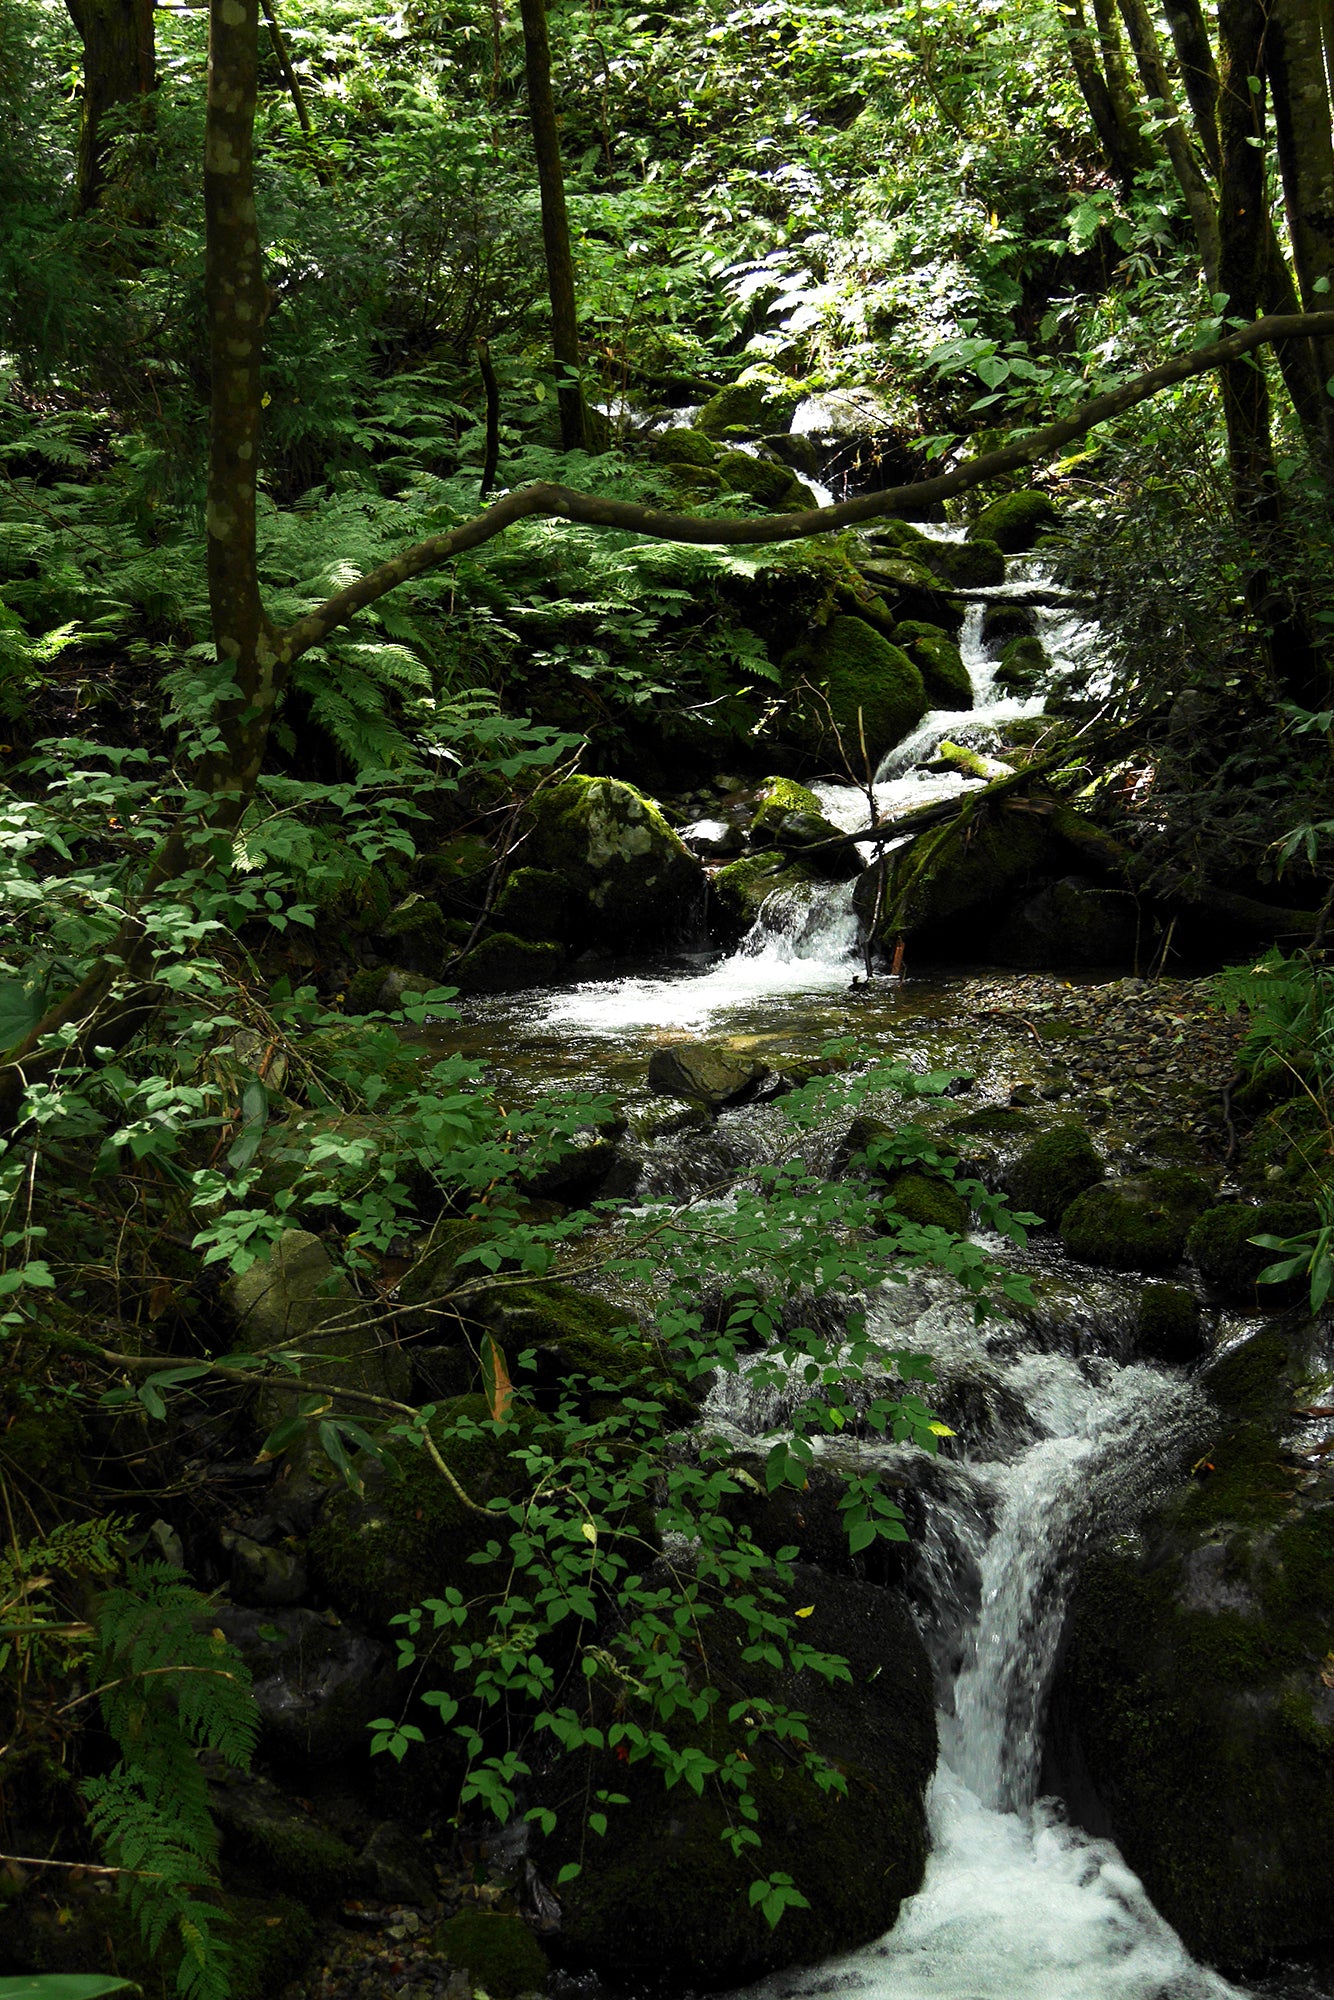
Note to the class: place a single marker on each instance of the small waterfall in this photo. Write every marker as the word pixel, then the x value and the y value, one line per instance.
pixel 1016 1905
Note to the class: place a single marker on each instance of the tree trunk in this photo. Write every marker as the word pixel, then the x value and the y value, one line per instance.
pixel 119 59
pixel 1243 274
pixel 555 221
pixel 1140 150
pixel 1294 56
pixel 1123 146
pixel 1157 84
pixel 1199 73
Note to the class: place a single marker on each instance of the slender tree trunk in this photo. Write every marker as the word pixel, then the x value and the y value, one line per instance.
pixel 1140 149
pixel 1199 73
pixel 1244 270
pixel 119 60
pixel 1079 42
pixel 1294 55
pixel 1157 84
pixel 555 221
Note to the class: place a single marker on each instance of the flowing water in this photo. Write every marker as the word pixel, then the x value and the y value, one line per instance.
pixel 1017 1904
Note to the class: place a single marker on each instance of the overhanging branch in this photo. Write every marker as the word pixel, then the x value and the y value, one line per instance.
pixel 595 510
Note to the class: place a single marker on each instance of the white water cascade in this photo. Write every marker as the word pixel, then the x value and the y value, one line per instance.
pixel 1016 1904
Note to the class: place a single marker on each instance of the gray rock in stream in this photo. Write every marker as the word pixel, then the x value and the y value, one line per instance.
pixel 705 1072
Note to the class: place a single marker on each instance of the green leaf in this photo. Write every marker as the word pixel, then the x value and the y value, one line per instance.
pixel 64 1986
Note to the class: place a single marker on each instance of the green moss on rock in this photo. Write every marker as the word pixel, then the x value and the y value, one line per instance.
pixel 503 963
pixel 738 892
pixel 684 447
pixel 1168 1323
pixel 858 669
pixel 532 904
pixel 1056 1167
pixel 1015 521
pixel 977 564
pixel 409 1537
pixel 497 1951
pixel 1191 1696
pixel 764 481
pixel 1220 1245
pixel 1140 1223
pixel 760 399
pixel 928 1200
pixel 1023 662
pixel 939 662
pixel 778 797
pixel 629 878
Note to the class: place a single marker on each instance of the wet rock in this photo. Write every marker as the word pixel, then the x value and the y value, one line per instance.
pixel 1072 922
pixel 1053 1169
pixel 1024 662
pixel 269 1840
pixel 976 564
pixel 707 1072
pixel 712 839
pixel 382 988
pixel 414 934
pixel 667 1117
pixel 1002 623
pixel 397 1867
pixel 497 1950
pixel 504 963
pixel 1220 1244
pixel 1193 1716
pixel 932 651
pixel 458 872
pixel 769 484
pixel 957 896
pixel 297 1297
pixel 761 398
pixel 854 1858
pixel 574 1338
pixel 909 590
pixel 317 1683
pixel 1169 1324
pixel 630 879
pixel 859 673
pixel 802 453
pixel 533 904
pixel 1140 1223
pixel 1015 521
pixel 738 892
pixel 928 1200
pixel 262 1575
pixel 775 800
pixel 435 1289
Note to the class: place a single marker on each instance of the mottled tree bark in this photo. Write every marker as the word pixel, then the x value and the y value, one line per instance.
pixel 238 304
pixel 1123 144
pixel 1294 55
pixel 119 61
pixel 555 221
pixel 1157 84
pixel 1244 271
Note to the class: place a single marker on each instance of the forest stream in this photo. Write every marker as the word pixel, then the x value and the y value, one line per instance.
pixel 1071 1440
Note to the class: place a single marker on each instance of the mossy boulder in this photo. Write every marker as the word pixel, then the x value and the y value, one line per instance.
pixel 434 1291
pixel 1003 622
pixel 1169 1324
pixel 1140 1223
pixel 939 662
pixel 1192 1715
pixel 708 1072
pixel 764 481
pixel 1015 521
pixel 457 872
pixel 532 904
pixel 1024 661
pixel 409 1537
pixel 760 399
pixel 976 564
pixel 858 671
pixel 497 1951
pixel 1055 1168
pixel 684 447
pixel 1072 922
pixel 381 989
pixel 738 892
pixel 318 1683
pixel 555 1336
pixel 911 590
pixel 630 880
pixel 270 1842
pixel 853 1857
pixel 1221 1247
pixel 958 885
pixel 504 963
pixel 414 933
pixel 777 798
pixel 297 1297
pixel 928 1200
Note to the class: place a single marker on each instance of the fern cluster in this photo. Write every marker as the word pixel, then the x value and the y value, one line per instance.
pixel 168 1687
